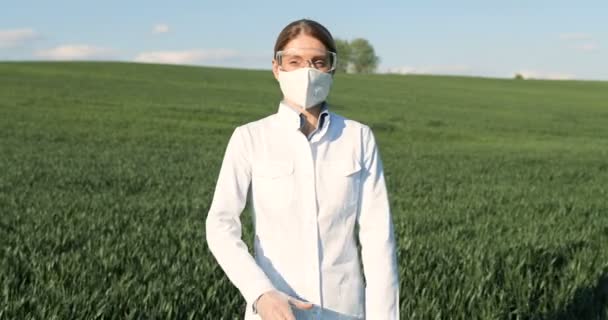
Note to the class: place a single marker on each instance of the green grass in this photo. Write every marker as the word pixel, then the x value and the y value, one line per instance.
pixel 499 189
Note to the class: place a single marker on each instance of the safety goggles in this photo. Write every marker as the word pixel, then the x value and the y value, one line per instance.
pixel 295 58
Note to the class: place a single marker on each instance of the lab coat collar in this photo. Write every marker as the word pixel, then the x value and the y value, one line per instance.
pixel 290 117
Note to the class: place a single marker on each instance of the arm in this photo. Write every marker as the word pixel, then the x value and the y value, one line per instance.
pixel 223 224
pixel 376 235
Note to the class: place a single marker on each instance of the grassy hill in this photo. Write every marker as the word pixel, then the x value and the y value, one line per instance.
pixel 498 188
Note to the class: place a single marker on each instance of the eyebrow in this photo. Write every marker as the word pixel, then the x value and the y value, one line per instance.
pixel 317 57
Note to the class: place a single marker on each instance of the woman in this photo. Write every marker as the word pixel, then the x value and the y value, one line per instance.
pixel 314 176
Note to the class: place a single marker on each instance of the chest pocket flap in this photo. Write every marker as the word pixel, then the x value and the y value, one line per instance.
pixel 343 168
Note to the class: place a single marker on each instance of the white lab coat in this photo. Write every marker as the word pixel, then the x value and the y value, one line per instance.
pixel 307 197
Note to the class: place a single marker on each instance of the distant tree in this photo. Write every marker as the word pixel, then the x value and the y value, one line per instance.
pixel 362 56
pixel 519 76
pixel 344 59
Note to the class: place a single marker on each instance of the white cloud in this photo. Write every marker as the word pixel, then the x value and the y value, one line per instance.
pixel 438 69
pixel 572 36
pixel 534 74
pixel 160 28
pixel 464 70
pixel 579 41
pixel 75 52
pixel 587 47
pixel 16 37
pixel 186 56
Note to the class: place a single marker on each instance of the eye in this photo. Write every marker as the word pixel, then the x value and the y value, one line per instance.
pixel 293 60
pixel 320 63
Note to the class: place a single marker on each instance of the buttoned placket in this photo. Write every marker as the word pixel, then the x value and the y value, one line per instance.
pixel 313 143
pixel 311 150
pixel 306 157
pixel 306 154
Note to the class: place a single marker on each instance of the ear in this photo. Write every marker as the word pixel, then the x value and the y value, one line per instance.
pixel 275 69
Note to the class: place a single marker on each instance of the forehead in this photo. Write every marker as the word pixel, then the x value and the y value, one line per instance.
pixel 305 41
pixel 307 53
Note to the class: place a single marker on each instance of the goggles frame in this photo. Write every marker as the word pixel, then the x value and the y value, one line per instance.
pixel 331 56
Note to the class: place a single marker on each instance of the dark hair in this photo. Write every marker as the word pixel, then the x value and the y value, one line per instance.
pixel 307 27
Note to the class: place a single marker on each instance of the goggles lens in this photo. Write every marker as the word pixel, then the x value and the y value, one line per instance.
pixel 295 58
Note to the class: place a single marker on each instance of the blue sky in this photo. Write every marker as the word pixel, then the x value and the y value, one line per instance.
pixel 542 39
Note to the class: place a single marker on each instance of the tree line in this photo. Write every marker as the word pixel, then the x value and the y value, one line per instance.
pixel 356 56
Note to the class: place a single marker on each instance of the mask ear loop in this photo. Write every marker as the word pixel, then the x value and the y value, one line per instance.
pixel 278 57
pixel 334 62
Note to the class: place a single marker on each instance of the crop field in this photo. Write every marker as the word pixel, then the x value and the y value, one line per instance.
pixel 498 189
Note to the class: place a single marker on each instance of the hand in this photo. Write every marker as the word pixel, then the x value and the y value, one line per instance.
pixel 275 305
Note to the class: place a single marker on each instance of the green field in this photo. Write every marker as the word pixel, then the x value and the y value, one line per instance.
pixel 499 189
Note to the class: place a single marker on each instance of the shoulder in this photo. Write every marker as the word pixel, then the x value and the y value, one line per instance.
pixel 356 131
pixel 244 136
pixel 256 125
pixel 351 125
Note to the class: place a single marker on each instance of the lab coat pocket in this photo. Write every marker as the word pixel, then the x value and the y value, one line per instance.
pixel 273 185
pixel 340 182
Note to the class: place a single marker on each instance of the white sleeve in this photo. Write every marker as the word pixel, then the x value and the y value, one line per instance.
pixel 223 224
pixel 376 235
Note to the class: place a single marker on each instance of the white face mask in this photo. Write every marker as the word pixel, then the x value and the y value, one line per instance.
pixel 307 87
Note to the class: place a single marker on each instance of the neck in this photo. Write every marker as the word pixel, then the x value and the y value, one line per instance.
pixel 307 112
pixel 311 116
